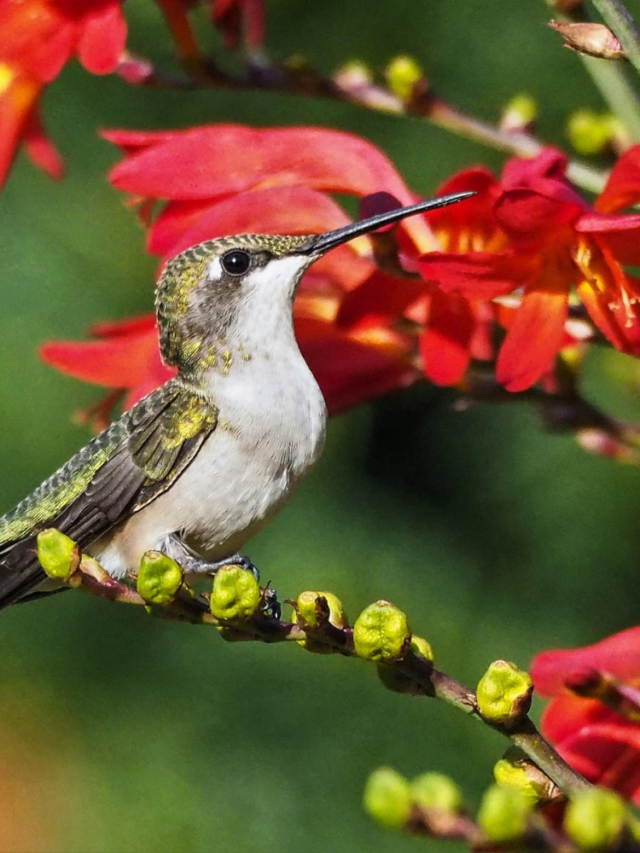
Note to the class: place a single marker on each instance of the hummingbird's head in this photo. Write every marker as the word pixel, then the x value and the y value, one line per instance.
pixel 223 298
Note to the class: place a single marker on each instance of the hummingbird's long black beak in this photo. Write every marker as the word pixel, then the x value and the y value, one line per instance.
pixel 323 242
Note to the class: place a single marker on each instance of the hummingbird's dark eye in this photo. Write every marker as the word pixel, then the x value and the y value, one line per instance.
pixel 236 262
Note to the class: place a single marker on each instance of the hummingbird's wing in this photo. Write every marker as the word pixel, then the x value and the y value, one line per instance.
pixel 118 473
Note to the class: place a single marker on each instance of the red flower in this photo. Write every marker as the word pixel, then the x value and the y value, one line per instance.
pixel 554 243
pixel 279 185
pixel 452 329
pixel 38 38
pixel 599 737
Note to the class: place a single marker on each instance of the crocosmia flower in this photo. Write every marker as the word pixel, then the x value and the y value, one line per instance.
pixel 38 38
pixel 593 718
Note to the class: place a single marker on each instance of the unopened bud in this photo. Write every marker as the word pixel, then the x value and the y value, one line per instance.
pixel 504 693
pixel 503 815
pixel 307 608
pixel 605 443
pixel 403 74
pixel 422 648
pixel 159 578
pixel 518 773
pixel 314 609
pixel 591 39
pixel 595 818
pixel 387 798
pixel 519 114
pixel 393 679
pixel 353 75
pixel 59 556
pixel 235 595
pixel 436 791
pixel 381 633
pixel 592 133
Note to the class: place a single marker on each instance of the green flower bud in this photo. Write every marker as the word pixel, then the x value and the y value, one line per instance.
pixel 595 818
pixel 519 113
pixel 59 556
pixel 503 815
pixel 387 798
pixel 307 609
pixel 159 578
pixel 589 132
pixel 436 791
pixel 381 633
pixel 518 773
pixel 402 74
pixel 504 693
pixel 235 594
pixel 422 648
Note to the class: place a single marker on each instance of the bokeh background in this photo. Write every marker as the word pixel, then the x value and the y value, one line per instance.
pixel 123 733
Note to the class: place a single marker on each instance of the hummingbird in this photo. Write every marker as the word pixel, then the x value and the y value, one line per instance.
pixel 199 465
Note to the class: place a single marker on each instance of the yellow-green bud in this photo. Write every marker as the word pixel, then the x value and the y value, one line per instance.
pixel 307 609
pixel 504 693
pixel 595 818
pixel 590 132
pixel 422 648
pixel 59 556
pixel 387 798
pixel 436 791
pixel 402 74
pixel 503 815
pixel 381 633
pixel 519 113
pixel 159 578
pixel 393 679
pixel 235 594
pixel 354 73
pixel 517 772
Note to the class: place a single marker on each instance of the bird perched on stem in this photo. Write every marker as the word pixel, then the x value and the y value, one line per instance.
pixel 202 463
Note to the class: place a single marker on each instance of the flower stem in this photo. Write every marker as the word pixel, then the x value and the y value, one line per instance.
pixel 610 80
pixel 422 678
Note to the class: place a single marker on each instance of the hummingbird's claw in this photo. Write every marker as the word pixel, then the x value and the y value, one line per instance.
pixel 235 560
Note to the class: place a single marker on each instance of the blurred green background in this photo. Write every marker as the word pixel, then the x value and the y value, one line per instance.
pixel 123 733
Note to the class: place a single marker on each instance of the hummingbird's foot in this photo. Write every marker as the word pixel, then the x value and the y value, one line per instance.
pixel 236 560
pixel 174 547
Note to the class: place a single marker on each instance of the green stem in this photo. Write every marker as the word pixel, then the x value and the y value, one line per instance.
pixel 617 17
pixel 611 82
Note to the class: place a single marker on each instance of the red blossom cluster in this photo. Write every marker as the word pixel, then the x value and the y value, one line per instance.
pixel 593 718
pixel 496 278
pixel 38 38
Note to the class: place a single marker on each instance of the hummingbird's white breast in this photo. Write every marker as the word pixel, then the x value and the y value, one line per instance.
pixel 271 431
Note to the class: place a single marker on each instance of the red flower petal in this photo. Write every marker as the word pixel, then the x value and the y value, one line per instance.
pixel 351 371
pixel 103 38
pixel 620 233
pixel 205 162
pixel 42 152
pixel 623 186
pixel 379 300
pixel 118 362
pixel 520 172
pixel 276 210
pixel 529 215
pixel 445 344
pixel 534 338
pixel 476 275
pixel 116 328
pixel 618 656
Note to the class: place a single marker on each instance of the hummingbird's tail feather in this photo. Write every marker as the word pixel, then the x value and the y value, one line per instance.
pixel 20 570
